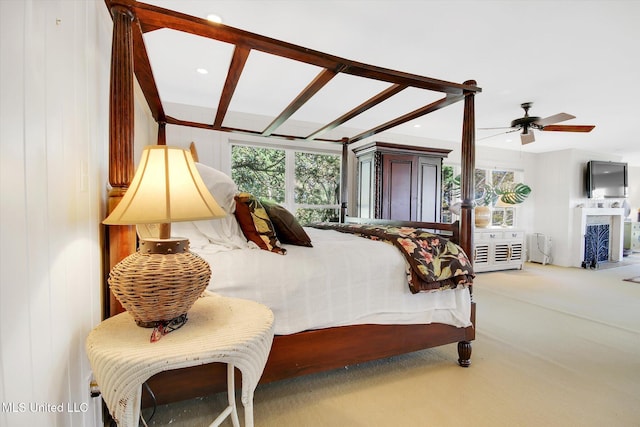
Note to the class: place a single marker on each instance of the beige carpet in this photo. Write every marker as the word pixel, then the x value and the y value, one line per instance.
pixel 555 347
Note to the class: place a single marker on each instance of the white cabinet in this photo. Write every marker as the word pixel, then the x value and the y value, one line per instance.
pixel 497 249
pixel 632 236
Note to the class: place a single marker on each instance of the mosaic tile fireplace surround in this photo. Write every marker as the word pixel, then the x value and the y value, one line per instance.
pixel 596 245
pixel 600 234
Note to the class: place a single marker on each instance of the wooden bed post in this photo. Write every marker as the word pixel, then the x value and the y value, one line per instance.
pixel 467 190
pixel 468 167
pixel 122 238
pixel 344 176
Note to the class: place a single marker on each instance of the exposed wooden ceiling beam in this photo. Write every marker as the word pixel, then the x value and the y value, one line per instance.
pixel 240 55
pixel 142 69
pixel 312 88
pixel 436 105
pixel 153 17
pixel 179 122
pixel 371 102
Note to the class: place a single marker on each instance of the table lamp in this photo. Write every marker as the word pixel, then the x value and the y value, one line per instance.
pixel 162 280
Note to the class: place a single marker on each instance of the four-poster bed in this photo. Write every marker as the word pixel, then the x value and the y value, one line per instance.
pixel 308 351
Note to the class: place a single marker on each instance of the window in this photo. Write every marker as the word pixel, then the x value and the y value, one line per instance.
pixel 450 192
pixel 501 215
pixel 259 171
pixel 306 183
pixel 484 179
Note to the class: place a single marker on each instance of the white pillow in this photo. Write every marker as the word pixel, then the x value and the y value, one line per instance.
pixel 222 231
pixel 220 185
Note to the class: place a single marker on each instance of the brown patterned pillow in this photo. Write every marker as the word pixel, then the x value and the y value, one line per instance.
pixel 287 227
pixel 255 223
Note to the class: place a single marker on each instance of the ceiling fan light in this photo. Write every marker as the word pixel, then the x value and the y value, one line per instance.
pixel 527 137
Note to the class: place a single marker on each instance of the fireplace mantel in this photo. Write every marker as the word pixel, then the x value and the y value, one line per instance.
pixel 616 229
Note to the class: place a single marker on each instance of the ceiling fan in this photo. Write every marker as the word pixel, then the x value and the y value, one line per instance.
pixel 528 123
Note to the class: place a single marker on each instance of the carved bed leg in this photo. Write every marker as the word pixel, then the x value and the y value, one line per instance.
pixel 464 353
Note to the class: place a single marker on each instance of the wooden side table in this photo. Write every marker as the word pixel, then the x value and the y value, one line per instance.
pixel 228 330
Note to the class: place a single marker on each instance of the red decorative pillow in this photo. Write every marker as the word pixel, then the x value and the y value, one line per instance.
pixel 255 223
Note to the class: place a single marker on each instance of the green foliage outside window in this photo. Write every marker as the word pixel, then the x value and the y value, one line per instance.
pixel 317 179
pixel 316 184
pixel 450 192
pixel 259 171
pixel 308 216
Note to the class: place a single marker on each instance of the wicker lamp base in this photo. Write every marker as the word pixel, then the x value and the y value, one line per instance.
pixel 159 282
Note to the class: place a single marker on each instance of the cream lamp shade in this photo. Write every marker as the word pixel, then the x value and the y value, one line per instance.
pixel 159 283
pixel 165 188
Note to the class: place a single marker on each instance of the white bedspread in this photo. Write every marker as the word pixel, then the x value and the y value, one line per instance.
pixel 342 280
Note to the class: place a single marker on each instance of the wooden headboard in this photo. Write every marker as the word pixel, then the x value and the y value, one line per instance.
pixel 131 19
pixel 194 152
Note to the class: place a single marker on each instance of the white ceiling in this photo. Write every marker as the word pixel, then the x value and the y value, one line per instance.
pixel 577 57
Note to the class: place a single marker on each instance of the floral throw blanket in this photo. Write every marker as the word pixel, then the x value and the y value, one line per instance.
pixel 433 262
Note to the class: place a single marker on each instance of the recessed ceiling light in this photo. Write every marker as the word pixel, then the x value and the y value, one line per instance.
pixel 202 71
pixel 214 18
pixel 417 125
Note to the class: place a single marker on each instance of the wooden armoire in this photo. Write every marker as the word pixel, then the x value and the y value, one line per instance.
pixel 399 182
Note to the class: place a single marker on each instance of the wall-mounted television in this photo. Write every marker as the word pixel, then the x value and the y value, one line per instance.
pixel 606 180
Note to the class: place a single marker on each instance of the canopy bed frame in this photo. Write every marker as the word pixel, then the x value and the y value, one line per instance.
pixel 310 351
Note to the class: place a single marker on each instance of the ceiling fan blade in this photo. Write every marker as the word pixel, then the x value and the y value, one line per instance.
pixel 568 128
pixel 556 118
pixel 527 138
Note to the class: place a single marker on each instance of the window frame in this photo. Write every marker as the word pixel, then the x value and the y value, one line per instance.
pixel 517 177
pixel 290 178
